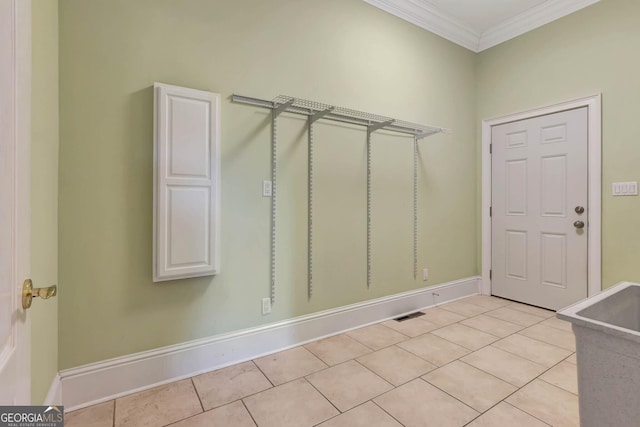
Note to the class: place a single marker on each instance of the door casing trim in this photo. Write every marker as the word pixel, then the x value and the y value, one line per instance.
pixel 594 241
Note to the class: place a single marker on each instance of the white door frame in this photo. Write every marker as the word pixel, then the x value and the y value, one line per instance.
pixel 19 149
pixel 594 242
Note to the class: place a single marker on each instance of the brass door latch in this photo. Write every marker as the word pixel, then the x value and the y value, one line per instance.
pixel 28 292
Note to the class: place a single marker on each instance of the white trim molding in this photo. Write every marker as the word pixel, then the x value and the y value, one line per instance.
pixel 54 396
pixel 431 18
pixel 594 105
pixel 98 382
pixel 533 18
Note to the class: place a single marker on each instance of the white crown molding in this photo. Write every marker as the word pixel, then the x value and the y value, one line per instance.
pixel 433 19
pixel 98 382
pixel 530 20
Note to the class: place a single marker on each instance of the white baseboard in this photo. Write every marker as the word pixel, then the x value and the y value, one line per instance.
pixel 98 382
pixel 54 396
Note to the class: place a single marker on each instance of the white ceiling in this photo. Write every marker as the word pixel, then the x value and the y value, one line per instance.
pixel 480 24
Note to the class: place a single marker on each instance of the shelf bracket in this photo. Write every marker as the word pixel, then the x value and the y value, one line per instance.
pixel 376 126
pixel 280 108
pixel 421 135
pixel 315 116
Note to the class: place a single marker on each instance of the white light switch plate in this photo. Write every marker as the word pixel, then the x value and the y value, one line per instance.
pixel 266 306
pixel 267 189
pixel 624 188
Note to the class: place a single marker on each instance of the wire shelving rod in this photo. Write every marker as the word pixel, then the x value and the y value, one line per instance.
pixel 373 122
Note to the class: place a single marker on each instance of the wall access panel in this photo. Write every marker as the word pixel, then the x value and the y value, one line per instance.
pixel 186 196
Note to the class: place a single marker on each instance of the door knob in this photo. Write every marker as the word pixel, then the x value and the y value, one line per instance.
pixel 578 224
pixel 579 210
pixel 28 292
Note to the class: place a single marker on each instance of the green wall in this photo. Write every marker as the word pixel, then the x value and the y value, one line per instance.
pixel 343 52
pixel 44 194
pixel 592 51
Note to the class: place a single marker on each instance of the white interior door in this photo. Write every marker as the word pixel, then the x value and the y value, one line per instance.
pixel 14 198
pixel 539 209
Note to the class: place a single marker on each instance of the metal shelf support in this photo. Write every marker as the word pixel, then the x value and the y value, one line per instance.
pixel 316 111
pixel 310 121
pixel 275 112
pixel 415 207
pixel 370 130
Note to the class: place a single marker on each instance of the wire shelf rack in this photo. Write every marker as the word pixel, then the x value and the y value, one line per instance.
pixel 373 122
pixel 306 107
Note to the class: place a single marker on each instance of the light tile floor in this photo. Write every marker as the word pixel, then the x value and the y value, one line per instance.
pixel 477 362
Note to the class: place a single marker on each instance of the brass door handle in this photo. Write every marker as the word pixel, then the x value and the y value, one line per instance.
pixel 28 292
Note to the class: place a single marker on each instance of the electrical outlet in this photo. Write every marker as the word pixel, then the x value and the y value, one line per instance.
pixel 266 306
pixel 267 189
pixel 425 274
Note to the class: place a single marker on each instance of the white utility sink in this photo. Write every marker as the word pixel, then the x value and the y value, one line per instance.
pixel 607 330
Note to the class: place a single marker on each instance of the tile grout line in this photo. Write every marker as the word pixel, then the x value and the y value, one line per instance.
pixel 517 355
pixel 371 348
pixel 409 380
pixel 325 397
pixel 446 392
pixel 515 407
pixel 338 414
pixel 354 360
pixel 246 408
pixel 526 384
pixel 197 394
pixel 265 375
pixel 189 417
pixel 374 373
pixel 243 397
pixel 337 335
pixel 407 338
pixel 517 332
pixel 556 386
pixel 489 373
pixel 449 394
pixel 524 412
pixel 517 388
pixel 383 410
pixel 542 319
pixel 533 338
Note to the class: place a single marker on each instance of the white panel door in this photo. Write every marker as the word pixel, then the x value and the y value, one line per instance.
pixel 539 219
pixel 187 183
pixel 14 199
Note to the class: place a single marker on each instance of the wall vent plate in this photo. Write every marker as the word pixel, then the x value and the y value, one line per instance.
pixel 409 316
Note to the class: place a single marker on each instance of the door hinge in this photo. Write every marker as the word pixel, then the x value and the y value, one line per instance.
pixel 490 148
pixel 490 274
pixel 490 210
